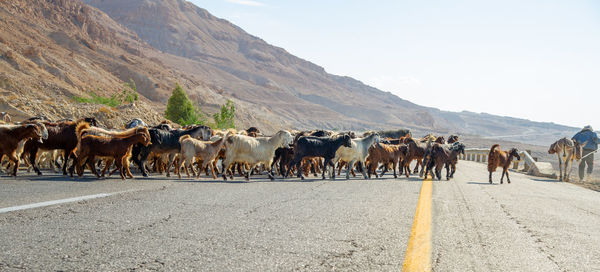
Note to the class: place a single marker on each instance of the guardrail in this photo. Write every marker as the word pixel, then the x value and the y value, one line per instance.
pixel 481 155
pixel 530 164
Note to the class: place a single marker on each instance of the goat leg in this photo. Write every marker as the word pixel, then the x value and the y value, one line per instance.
pixel 363 166
pixel 90 162
pixel 13 157
pixel 325 166
pixel 212 170
pixel 417 167
pixel 246 175
pixel 271 173
pixel 32 156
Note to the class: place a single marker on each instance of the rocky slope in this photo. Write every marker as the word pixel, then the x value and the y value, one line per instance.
pixel 53 50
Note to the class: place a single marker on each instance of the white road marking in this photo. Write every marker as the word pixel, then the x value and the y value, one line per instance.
pixel 59 201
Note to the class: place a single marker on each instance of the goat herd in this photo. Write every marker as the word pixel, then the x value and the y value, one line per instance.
pixel 82 144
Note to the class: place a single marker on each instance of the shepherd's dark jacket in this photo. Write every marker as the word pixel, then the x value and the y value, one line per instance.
pixel 589 136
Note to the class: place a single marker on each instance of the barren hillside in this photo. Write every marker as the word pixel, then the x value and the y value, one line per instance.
pixel 52 50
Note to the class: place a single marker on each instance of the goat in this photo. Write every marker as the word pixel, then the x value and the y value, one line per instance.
pixel 357 152
pixel 319 133
pixel 253 130
pixel 205 151
pixel 92 146
pixel 60 136
pixel 395 133
pixel 84 130
pixel 452 139
pixel 283 156
pixel 11 135
pixel 386 154
pixel 166 142
pixel 444 155
pixel 325 147
pixel 246 149
pixel 498 158
pixel 135 122
pixel 416 151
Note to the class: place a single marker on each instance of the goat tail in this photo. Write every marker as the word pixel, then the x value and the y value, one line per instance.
pixel 187 136
pixel 79 129
pixel 493 149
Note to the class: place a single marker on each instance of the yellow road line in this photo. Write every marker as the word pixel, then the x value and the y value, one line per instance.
pixel 418 251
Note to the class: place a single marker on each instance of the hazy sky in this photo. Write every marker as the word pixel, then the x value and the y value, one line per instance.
pixel 538 60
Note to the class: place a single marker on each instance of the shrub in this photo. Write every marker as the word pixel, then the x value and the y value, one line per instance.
pixel 111 101
pixel 226 117
pixel 128 95
pixel 180 108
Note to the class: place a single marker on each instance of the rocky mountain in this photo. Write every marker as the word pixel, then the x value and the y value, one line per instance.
pixel 247 68
pixel 52 50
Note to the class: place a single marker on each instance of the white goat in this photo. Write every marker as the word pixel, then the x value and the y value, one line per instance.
pixel 245 149
pixel 357 153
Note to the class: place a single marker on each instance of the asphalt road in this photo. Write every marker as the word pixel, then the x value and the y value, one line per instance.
pixel 314 225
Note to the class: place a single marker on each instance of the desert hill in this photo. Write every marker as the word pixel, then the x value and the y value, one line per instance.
pixel 52 50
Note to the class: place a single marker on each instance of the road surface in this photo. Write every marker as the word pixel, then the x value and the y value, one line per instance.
pixel 532 224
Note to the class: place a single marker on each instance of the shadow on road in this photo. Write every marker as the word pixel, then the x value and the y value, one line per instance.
pixel 545 180
pixel 264 178
pixel 483 183
pixel 53 178
pixel 56 177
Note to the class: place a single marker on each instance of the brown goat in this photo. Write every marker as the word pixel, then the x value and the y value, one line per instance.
pixel 92 146
pixel 416 151
pixel 498 158
pixel 386 154
pixel 83 129
pixel 444 155
pixel 60 136
pixel 11 135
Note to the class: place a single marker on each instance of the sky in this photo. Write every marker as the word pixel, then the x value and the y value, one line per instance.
pixel 538 60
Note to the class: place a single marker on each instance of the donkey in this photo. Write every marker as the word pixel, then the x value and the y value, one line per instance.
pixel 566 150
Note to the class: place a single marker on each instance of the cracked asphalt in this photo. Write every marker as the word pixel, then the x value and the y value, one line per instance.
pixel 190 225
pixel 533 224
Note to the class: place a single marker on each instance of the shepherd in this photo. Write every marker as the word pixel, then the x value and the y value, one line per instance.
pixel 588 136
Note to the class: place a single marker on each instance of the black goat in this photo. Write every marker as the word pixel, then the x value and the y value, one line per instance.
pixel 283 155
pixel 317 147
pixel 166 141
